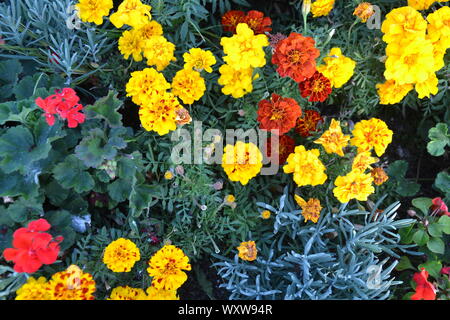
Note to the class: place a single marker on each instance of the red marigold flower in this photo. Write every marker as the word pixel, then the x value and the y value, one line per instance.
pixel 32 247
pixel 231 19
pixel 439 207
pixel 296 57
pixel 257 22
pixel 286 146
pixel 308 123
pixel 278 113
pixel 64 103
pixel 317 88
pixel 424 289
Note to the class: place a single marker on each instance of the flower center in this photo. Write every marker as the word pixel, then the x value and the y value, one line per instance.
pixel 295 56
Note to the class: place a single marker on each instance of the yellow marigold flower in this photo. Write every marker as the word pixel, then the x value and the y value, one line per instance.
pixel 439 26
pixel 362 161
pixel 131 43
pixel 159 52
pixel 34 289
pixel 421 4
pixel 242 162
pixel 188 85
pixel 150 29
pixel 160 115
pixel 93 10
pixel 131 12
pixel 333 140
pixel 321 8
pixel 199 59
pixel 166 267
pixel 168 175
pixel 355 185
pixel 338 68
pixel 230 198
pixel 427 87
pixel 72 284
pixel 236 82
pixel 306 166
pixel 403 23
pixel 364 11
pixel 439 51
pixel 244 49
pixel 247 251
pixel 161 294
pixel 121 255
pixel 379 176
pixel 373 133
pixel 311 209
pixel 391 92
pixel 265 214
pixel 127 293
pixel 146 85
pixel 409 61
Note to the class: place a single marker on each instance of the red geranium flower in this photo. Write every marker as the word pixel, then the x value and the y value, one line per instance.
pixel 286 146
pixel 64 103
pixel 308 123
pixel 278 113
pixel 424 289
pixel 317 88
pixel 296 57
pixel 257 22
pixel 445 270
pixel 33 247
pixel 231 19
pixel 439 207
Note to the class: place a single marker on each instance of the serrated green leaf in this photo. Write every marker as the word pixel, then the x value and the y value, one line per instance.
pixel 423 204
pixel 407 188
pixel 439 139
pixel 420 237
pixel 72 173
pixel 119 190
pixel 22 210
pixel 442 182
pixel 436 245
pixel 397 169
pixel 15 110
pixel 106 108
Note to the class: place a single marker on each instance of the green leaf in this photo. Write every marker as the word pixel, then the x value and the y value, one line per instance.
pixel 444 222
pixel 397 169
pixel 436 245
pixel 432 267
pixel 96 147
pixel 16 110
pixel 435 230
pixel 423 204
pixel 439 139
pixel 406 234
pixel 119 190
pixel 106 108
pixel 9 74
pixel 22 210
pixel 442 182
pixel 420 237
pixel 72 173
pixel 407 188
pixel 404 264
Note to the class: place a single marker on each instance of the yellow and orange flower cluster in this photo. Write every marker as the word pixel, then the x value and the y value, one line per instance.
pixel 243 53
pixel 306 167
pixel 71 284
pixel 310 209
pixel 247 251
pixel 121 255
pixel 242 162
pixel 415 52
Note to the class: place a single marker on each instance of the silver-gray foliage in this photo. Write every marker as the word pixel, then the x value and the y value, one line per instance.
pixel 41 30
pixel 332 259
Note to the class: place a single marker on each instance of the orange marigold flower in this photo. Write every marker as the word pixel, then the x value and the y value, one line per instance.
pixel 364 11
pixel 257 22
pixel 296 57
pixel 317 88
pixel 231 19
pixel 248 251
pixel 379 176
pixel 278 113
pixel 424 289
pixel 333 140
pixel 311 209
pixel 308 123
pixel 286 146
